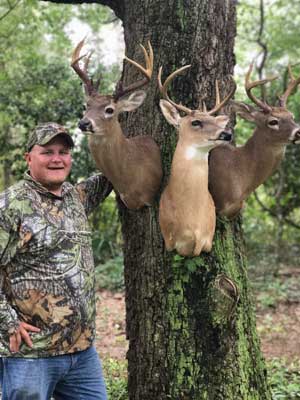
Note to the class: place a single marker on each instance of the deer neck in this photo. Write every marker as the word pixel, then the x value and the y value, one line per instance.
pixel 190 163
pixel 107 145
pixel 193 152
pixel 109 134
pixel 262 157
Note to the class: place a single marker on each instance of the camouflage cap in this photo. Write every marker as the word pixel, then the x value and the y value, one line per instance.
pixel 43 133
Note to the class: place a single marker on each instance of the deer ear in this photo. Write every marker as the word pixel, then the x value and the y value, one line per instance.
pixel 222 120
pixel 244 110
pixel 170 113
pixel 132 102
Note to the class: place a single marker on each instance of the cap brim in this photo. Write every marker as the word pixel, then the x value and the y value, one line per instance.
pixel 68 138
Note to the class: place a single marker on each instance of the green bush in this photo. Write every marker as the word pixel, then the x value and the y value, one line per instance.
pixel 115 373
pixel 109 275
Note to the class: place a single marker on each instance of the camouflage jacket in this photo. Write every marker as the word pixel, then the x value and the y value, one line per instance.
pixel 46 265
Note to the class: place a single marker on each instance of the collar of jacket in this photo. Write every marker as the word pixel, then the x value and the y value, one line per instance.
pixel 66 186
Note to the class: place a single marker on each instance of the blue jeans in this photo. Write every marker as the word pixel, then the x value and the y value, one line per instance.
pixel 76 376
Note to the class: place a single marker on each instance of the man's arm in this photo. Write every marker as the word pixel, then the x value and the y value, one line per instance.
pixel 8 241
pixel 94 191
pixel 10 327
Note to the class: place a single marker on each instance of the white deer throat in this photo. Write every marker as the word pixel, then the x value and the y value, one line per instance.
pixel 197 153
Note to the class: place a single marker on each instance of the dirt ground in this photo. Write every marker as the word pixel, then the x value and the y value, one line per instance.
pixel 110 324
pixel 279 328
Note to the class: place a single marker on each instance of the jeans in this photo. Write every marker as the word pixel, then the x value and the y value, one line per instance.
pixel 76 376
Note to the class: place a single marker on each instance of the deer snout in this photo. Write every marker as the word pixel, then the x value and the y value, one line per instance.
pixel 85 125
pixel 226 136
pixel 296 137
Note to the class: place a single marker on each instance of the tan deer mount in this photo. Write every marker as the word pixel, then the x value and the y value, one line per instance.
pixel 133 165
pixel 186 212
pixel 235 172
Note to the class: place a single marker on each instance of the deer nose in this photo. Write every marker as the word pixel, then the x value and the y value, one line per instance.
pixel 85 125
pixel 227 136
pixel 297 137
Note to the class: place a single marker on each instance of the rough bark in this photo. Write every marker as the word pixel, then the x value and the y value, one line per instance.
pixel 190 322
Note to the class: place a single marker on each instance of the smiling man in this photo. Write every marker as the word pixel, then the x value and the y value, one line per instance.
pixel 47 296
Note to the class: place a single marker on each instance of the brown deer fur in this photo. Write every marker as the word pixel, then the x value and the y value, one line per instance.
pixel 187 212
pixel 133 165
pixel 235 172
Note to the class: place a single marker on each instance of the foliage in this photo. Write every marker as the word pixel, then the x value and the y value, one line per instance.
pixel 284 379
pixel 272 225
pixel 115 373
pixel 271 289
pixel 107 236
pixel 110 274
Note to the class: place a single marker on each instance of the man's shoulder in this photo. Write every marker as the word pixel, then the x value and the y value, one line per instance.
pixel 14 195
pixel 14 190
pixel 94 184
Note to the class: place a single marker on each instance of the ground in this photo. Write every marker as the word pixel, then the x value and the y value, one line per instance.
pixel 111 337
pixel 278 327
pixel 279 330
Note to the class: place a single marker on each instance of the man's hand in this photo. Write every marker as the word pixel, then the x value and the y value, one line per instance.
pixel 21 334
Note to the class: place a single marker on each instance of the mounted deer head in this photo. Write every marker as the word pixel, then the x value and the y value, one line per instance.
pixel 187 213
pixel 133 165
pixel 235 172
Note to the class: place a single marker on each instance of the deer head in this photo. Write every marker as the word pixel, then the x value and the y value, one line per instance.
pixel 101 109
pixel 186 213
pixel 277 122
pixel 132 165
pixel 236 172
pixel 198 126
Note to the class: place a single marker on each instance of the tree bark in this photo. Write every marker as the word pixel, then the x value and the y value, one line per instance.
pixel 190 322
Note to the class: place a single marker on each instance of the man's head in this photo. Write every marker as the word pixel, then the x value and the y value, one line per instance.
pixel 43 133
pixel 48 155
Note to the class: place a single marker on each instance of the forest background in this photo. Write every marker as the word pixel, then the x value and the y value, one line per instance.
pixel 38 85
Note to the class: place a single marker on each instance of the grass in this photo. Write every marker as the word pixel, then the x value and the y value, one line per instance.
pixel 115 373
pixel 284 379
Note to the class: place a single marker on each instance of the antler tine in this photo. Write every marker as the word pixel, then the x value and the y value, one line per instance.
pixel 96 84
pixel 219 103
pixel 82 73
pixel 250 85
pixel 164 87
pixel 291 86
pixel 147 72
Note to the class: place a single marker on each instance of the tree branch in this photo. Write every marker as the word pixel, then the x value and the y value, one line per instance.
pixel 10 8
pixel 117 6
pixel 263 46
pixel 273 214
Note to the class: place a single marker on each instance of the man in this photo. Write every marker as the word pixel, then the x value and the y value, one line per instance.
pixel 47 298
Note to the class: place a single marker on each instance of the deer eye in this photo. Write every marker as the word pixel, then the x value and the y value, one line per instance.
pixel 273 122
pixel 109 110
pixel 197 122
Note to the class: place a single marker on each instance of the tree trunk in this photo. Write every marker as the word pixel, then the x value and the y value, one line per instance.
pixel 190 322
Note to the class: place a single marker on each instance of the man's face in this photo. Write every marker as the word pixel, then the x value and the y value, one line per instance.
pixel 50 164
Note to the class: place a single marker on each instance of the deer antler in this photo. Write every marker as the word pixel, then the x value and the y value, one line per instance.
pixel 164 88
pixel 219 104
pixel 250 85
pixel 82 73
pixel 147 72
pixel 291 86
